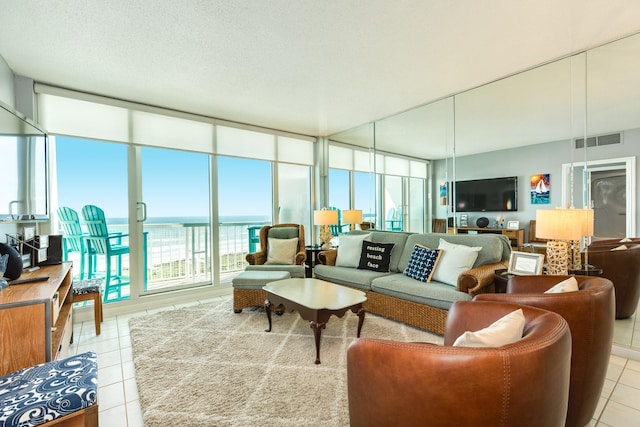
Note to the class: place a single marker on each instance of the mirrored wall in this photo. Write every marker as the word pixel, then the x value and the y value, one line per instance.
pixel 566 119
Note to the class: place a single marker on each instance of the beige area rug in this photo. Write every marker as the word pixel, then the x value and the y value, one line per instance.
pixel 207 366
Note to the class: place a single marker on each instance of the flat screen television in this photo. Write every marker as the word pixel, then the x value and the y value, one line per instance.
pixel 486 195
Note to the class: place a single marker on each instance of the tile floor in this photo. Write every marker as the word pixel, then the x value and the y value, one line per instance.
pixel 118 395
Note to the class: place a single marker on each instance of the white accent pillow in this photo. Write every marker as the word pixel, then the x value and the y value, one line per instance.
pixel 281 251
pixel 350 249
pixel 454 260
pixel 503 331
pixel 620 248
pixel 567 285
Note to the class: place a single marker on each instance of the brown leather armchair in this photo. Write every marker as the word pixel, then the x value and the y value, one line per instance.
pixel 521 384
pixel 622 267
pixel 590 314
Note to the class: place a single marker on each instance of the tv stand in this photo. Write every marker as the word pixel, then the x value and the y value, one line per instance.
pixel 515 236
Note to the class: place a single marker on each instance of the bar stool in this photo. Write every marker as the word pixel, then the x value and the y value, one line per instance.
pixel 87 290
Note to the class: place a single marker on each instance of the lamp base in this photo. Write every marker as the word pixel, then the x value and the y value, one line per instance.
pixel 557 258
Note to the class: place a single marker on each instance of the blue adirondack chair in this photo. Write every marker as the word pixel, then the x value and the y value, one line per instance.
pixel 108 245
pixel 73 237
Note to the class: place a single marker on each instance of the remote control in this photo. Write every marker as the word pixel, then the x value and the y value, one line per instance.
pixel 29 280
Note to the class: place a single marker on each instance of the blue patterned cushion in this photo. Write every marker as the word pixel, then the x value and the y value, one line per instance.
pixel 81 287
pixel 422 263
pixel 41 393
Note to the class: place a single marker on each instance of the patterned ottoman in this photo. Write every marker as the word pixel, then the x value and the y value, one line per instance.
pixel 60 390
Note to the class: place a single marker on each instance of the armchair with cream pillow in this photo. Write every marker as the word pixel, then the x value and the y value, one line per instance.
pixel 281 249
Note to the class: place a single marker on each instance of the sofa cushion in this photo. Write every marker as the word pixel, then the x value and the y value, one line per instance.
pixel 495 247
pixel 349 276
pixel 455 260
pixel 375 256
pixel 436 294
pixel 349 250
pixel 399 238
pixel 423 263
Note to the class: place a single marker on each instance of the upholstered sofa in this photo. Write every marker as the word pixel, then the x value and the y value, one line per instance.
pixel 394 295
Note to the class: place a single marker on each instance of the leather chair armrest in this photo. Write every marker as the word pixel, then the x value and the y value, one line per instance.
pixel 256 258
pixel 301 257
pixel 478 280
pixel 328 257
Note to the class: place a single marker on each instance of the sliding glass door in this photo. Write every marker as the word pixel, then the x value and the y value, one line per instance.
pixel 175 212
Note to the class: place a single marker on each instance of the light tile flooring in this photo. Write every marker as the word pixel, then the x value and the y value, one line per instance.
pixel 619 404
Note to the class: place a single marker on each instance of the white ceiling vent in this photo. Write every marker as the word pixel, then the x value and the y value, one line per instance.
pixel 597 141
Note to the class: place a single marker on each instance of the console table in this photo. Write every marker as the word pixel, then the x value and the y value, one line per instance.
pixel 515 236
pixel 36 319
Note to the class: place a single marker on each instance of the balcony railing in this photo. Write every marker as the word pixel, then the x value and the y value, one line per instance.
pixel 179 254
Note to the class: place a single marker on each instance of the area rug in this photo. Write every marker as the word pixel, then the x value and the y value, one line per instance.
pixel 208 366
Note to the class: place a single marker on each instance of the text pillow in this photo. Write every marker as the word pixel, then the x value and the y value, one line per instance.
pixel 422 263
pixel 350 249
pixel 375 256
pixel 454 260
pixel 503 331
pixel 567 285
pixel 281 251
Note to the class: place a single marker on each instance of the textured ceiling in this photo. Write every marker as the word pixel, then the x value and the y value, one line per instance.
pixel 312 67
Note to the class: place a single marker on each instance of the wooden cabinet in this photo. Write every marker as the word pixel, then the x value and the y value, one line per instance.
pixel 36 322
pixel 515 236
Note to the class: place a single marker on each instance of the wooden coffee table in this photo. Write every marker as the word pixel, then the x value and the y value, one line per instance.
pixel 315 300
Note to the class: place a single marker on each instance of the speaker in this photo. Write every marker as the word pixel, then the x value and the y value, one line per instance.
pixel 14 262
pixel 482 222
pixel 54 250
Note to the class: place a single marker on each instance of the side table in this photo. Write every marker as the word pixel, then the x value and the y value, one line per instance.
pixel 312 259
pixel 500 279
pixel 588 270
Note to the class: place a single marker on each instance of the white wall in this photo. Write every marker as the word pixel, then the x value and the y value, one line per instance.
pixel 7 94
pixel 531 160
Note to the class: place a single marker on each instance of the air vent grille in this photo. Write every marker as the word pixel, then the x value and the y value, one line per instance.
pixel 597 141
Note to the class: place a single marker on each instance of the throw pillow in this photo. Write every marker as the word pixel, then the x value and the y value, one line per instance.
pixel 503 331
pixel 620 248
pixel 375 256
pixel 422 263
pixel 350 249
pixel 455 259
pixel 281 251
pixel 567 285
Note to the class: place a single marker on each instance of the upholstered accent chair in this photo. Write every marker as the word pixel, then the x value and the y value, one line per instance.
pixel 622 267
pixel 590 315
pixel 525 383
pixel 260 260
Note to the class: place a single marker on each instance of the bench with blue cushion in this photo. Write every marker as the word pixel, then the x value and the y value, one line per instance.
pixel 61 392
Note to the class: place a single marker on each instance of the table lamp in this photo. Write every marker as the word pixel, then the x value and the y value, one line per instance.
pixel 324 218
pixel 353 217
pixel 564 228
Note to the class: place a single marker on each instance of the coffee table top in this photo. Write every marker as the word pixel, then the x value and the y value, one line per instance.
pixel 316 293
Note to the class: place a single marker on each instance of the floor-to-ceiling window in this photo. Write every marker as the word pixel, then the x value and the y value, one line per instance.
pixel 175 193
pixel 193 191
pixel 245 200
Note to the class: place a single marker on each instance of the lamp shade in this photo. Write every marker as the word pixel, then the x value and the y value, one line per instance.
pixel 352 216
pixel 325 217
pixel 564 224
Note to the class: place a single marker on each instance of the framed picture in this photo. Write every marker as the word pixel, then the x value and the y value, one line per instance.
pixel 525 263
pixel 513 225
pixel 464 220
pixel 540 186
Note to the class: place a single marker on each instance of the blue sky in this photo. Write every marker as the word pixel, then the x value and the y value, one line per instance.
pixel 174 183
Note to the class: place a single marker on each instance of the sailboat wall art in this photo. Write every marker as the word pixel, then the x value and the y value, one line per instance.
pixel 540 186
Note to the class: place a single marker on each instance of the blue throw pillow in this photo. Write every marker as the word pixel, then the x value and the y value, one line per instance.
pixel 375 256
pixel 422 263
